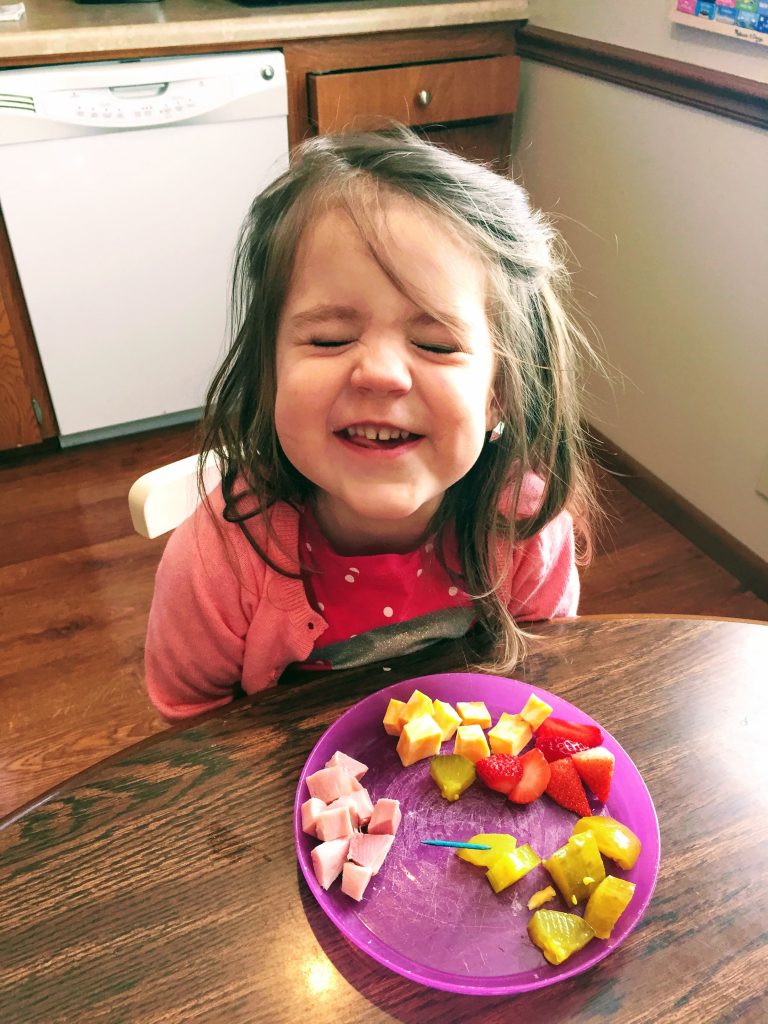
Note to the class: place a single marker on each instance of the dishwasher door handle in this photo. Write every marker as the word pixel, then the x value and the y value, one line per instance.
pixel 139 92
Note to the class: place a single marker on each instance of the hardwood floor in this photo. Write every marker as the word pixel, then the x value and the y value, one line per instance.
pixel 76 583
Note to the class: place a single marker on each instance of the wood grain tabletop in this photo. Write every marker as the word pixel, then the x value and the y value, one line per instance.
pixel 162 886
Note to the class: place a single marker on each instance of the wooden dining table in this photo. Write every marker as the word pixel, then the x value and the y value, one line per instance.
pixel 162 884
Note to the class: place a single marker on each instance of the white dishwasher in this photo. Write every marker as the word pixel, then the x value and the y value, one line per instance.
pixel 124 185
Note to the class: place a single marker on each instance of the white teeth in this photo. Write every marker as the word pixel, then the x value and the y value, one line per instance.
pixel 377 433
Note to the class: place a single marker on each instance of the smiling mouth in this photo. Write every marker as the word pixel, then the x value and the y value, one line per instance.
pixel 368 436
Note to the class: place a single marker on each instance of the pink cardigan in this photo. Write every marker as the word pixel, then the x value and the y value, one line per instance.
pixel 220 615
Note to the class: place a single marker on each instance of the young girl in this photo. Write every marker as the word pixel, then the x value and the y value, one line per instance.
pixel 397 426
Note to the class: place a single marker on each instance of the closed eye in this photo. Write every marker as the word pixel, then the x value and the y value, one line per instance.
pixel 323 343
pixel 443 350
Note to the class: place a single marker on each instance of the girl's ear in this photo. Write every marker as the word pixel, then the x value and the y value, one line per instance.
pixel 493 412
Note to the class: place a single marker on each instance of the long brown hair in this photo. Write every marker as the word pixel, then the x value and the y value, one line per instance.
pixel 539 350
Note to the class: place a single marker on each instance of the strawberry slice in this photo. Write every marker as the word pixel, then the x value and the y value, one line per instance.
pixel 595 766
pixel 555 747
pixel 589 735
pixel 565 787
pixel 499 771
pixel 535 777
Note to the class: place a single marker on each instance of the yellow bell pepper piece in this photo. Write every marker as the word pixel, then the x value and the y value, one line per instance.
pixel 510 867
pixel 541 897
pixel 614 840
pixel 576 868
pixel 558 935
pixel 500 842
pixel 607 903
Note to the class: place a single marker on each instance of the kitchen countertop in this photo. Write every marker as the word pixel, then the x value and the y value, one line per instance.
pixel 63 29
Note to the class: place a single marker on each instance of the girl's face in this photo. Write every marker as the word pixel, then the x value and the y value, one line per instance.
pixel 378 404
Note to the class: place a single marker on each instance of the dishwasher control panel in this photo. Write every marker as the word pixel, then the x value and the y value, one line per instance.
pixel 141 93
pixel 126 105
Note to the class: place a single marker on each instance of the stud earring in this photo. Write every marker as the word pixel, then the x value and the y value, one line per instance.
pixel 497 431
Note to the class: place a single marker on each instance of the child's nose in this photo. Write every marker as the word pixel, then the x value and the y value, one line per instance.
pixel 381 368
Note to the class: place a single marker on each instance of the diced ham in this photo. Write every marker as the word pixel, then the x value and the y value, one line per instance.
pixel 363 804
pixel 368 850
pixel 359 804
pixel 309 812
pixel 334 823
pixel 338 805
pixel 356 768
pixel 385 819
pixel 348 801
pixel 354 879
pixel 328 784
pixel 328 860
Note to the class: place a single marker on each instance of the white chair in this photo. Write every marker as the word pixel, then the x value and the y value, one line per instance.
pixel 163 498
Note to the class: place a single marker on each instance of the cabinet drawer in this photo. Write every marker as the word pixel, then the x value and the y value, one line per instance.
pixel 416 94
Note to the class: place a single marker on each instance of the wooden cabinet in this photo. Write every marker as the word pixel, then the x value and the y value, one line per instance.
pixel 18 423
pixel 458 85
pixel 26 414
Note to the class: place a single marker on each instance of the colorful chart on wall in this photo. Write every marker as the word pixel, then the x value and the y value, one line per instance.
pixel 740 19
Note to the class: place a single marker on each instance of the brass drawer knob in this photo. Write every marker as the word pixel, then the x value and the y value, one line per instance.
pixel 423 97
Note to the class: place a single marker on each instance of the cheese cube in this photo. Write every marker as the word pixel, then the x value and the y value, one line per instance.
pixel 393 717
pixel 418 704
pixel 447 718
pixel 474 712
pixel 420 738
pixel 535 711
pixel 510 734
pixel 471 743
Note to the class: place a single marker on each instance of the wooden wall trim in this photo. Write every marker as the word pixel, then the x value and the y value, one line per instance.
pixel 726 550
pixel 741 99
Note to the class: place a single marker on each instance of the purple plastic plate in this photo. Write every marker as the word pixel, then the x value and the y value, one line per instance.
pixel 429 915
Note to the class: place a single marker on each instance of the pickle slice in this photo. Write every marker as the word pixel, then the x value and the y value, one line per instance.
pixel 453 774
